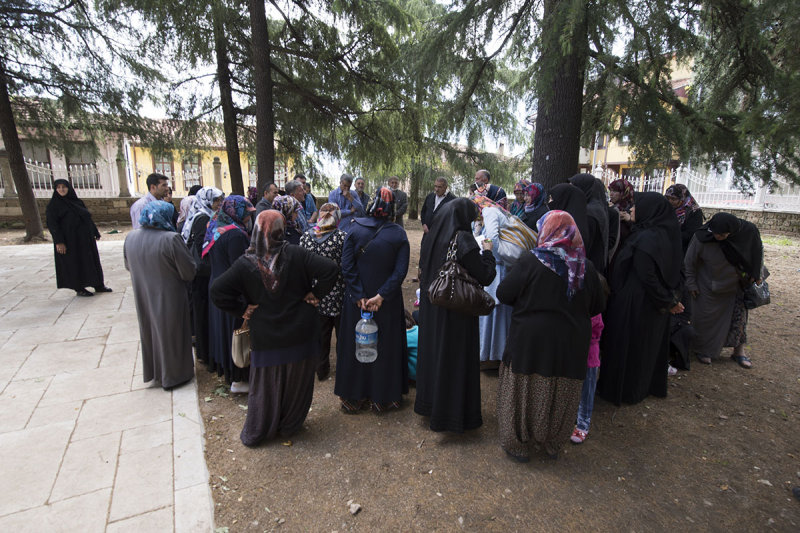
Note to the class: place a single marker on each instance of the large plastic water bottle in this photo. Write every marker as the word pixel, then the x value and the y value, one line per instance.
pixel 366 338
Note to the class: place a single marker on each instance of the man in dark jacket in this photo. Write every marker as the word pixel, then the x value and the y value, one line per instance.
pixel 269 195
pixel 433 202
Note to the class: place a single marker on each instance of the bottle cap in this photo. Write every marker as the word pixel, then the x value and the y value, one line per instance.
pixel 366 315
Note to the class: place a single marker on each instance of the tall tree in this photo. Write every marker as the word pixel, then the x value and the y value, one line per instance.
pixel 64 68
pixel 261 50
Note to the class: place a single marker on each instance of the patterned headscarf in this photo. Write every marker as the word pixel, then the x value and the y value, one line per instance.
pixel 560 248
pixel 536 197
pixel 625 189
pixel 231 215
pixel 288 205
pixel 327 222
pixel 157 215
pixel 517 208
pixel 483 201
pixel 252 195
pixel 382 205
pixel 204 199
pixel 688 203
pixel 266 246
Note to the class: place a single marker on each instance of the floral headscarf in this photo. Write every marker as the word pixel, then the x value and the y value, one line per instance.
pixel 266 246
pixel 688 203
pixel 231 215
pixel 536 197
pixel 625 189
pixel 483 201
pixel 560 248
pixel 203 201
pixel 157 215
pixel 288 205
pixel 382 205
pixel 252 195
pixel 517 208
pixel 329 216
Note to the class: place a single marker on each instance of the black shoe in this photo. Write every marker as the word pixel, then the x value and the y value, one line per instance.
pixel 103 289
pixel 84 292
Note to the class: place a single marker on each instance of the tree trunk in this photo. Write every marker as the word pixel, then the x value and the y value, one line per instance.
pixel 262 79
pixel 8 128
pixel 413 193
pixel 556 142
pixel 226 100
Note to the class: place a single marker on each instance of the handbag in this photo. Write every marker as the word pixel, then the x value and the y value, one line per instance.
pixel 757 294
pixel 453 288
pixel 240 345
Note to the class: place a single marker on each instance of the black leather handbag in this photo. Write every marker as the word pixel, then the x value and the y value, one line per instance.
pixel 756 295
pixel 454 289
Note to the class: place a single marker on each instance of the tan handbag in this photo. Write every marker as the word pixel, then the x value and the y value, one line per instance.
pixel 240 346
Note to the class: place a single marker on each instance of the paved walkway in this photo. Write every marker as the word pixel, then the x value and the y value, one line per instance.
pixel 84 444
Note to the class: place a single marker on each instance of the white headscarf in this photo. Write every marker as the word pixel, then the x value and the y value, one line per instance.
pixel 201 206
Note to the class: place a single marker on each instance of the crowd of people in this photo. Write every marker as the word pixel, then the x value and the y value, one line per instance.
pixel 596 290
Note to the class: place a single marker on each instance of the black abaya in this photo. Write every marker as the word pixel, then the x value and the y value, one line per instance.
pixel 200 287
pixel 448 363
pixel 70 224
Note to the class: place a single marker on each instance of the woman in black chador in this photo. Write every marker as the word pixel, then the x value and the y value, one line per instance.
pixel 74 235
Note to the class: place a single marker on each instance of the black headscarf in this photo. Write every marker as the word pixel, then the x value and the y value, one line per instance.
pixel 596 208
pixel 657 233
pixel 60 204
pixel 569 198
pixel 743 248
pixel 453 217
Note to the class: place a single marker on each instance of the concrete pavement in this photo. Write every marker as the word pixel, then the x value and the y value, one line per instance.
pixel 85 445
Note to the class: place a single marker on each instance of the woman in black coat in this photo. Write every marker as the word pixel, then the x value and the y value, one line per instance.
pixel 374 264
pixel 448 364
pixel 277 285
pixel 645 288
pixel 689 214
pixel 74 235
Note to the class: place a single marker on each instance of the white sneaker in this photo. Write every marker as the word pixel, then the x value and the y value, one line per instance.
pixel 671 370
pixel 240 387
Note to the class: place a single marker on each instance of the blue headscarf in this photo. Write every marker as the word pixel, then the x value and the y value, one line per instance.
pixel 158 215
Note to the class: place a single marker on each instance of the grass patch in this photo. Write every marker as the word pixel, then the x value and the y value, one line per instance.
pixel 777 240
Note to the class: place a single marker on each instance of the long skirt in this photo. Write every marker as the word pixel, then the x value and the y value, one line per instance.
pixel 494 327
pixel 535 409
pixel 279 399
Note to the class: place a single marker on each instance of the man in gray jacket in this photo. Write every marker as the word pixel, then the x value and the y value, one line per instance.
pixel 400 199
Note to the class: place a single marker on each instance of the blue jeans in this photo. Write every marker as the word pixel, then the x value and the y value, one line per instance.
pixel 587 399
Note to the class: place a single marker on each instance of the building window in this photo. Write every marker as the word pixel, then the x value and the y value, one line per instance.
pixel 82 166
pixel 281 173
pixel 162 164
pixel 192 173
pixel 37 161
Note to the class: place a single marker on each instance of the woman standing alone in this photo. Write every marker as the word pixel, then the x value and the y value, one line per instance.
pixel 74 235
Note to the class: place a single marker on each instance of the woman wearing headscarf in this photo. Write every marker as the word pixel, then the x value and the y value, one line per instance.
pixel 554 291
pixel 724 257
pixel 374 264
pixel 596 241
pixel 448 365
pixel 160 265
pixel 207 202
pixel 226 240
pixel 326 240
pixel 186 206
pixel 511 239
pixel 620 192
pixel 74 235
pixel 535 205
pixel 290 208
pixel 645 288
pixel 518 205
pixel 689 214
pixel 276 285
pixel 569 198
pixel 252 195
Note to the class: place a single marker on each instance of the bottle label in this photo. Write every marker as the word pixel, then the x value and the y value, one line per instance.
pixel 367 338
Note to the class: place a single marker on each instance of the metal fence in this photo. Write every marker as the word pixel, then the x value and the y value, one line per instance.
pixel 85 178
pixel 712 189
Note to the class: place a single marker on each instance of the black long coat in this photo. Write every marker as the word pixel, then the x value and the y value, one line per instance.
pixel 71 224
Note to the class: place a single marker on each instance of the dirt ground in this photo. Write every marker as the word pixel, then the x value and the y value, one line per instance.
pixel 720 452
